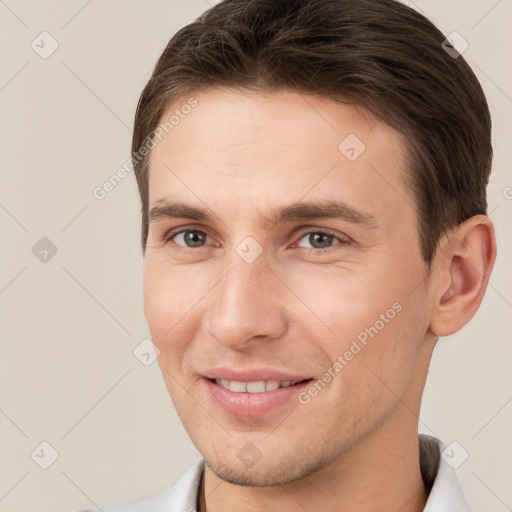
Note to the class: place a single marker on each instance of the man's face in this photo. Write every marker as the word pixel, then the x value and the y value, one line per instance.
pixel 249 295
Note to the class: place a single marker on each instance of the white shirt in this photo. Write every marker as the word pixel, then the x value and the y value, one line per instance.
pixel 445 495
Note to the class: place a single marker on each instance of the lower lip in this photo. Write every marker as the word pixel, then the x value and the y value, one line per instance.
pixel 252 404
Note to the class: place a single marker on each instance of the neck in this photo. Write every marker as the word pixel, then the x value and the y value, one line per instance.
pixel 381 472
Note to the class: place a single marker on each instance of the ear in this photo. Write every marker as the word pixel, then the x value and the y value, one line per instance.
pixel 463 262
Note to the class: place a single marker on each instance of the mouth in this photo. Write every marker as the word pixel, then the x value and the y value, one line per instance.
pixel 254 398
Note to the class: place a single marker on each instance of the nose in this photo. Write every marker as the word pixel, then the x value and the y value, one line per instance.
pixel 247 305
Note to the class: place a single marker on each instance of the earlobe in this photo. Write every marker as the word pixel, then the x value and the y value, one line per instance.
pixel 464 262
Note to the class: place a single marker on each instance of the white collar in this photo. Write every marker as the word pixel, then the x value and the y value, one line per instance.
pixel 446 493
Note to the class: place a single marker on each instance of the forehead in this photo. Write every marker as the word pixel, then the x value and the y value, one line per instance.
pixel 254 150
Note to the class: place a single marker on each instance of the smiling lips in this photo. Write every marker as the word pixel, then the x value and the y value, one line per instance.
pixel 254 393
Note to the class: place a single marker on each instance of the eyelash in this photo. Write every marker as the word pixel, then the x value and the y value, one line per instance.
pixel 169 238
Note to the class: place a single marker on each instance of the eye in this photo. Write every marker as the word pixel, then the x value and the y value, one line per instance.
pixel 320 240
pixel 188 238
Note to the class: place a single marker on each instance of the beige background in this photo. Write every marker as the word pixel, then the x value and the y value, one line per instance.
pixel 68 375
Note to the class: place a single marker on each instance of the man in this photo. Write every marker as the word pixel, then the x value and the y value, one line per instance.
pixel 312 176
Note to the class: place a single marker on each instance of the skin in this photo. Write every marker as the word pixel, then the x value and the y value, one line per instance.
pixel 354 446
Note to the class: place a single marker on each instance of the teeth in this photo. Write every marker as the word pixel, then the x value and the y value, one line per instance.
pixel 238 387
pixel 259 386
pixel 255 387
pixel 270 385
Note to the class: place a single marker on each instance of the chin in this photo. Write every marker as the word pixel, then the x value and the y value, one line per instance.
pixel 267 473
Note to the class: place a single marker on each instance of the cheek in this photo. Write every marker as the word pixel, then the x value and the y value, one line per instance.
pixel 390 344
pixel 338 303
pixel 371 363
pixel 169 298
pixel 372 326
pixel 170 295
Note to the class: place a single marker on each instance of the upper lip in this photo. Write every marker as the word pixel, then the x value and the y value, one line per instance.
pixel 253 374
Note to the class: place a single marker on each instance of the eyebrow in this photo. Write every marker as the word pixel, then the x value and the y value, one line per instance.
pixel 300 211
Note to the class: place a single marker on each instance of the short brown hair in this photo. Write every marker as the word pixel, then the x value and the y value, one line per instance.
pixel 378 52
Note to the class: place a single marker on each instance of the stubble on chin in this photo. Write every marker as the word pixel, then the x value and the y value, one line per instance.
pixel 301 464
